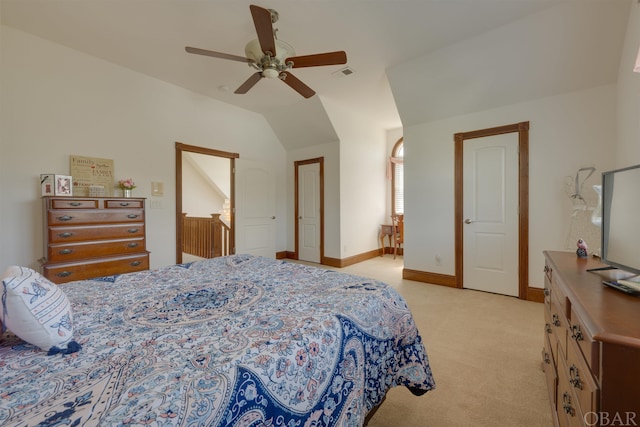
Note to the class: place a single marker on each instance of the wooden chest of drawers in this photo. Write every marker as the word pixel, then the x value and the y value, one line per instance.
pixel 591 351
pixel 87 237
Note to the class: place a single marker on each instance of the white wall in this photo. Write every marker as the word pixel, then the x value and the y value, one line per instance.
pixel 628 149
pixel 199 197
pixel 362 179
pixel 354 184
pixel 567 132
pixel 56 102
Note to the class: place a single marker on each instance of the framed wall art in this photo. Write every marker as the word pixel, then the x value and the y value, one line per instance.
pixel 63 185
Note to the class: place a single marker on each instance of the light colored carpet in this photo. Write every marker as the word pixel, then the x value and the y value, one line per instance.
pixel 484 350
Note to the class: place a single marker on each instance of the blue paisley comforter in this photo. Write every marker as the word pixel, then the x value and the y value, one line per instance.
pixel 234 341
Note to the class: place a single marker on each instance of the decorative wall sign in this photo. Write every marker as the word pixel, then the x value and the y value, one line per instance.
pixel 91 171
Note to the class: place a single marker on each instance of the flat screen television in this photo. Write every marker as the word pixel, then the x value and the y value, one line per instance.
pixel 621 221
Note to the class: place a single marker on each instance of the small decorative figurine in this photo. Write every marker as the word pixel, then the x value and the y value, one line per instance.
pixel 582 249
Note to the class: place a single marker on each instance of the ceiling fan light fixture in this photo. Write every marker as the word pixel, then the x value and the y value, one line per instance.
pixel 283 51
pixel 270 73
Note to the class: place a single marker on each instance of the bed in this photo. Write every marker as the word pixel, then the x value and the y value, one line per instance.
pixel 232 341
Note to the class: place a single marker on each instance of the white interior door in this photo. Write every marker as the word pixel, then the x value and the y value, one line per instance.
pixel 309 212
pixel 255 210
pixel 490 199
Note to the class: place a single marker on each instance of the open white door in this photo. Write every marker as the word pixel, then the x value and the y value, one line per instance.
pixel 491 214
pixel 255 210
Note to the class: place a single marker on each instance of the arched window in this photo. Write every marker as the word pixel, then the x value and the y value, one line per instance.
pixel 397 178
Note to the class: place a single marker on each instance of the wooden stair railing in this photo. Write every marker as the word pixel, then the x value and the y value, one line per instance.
pixel 205 237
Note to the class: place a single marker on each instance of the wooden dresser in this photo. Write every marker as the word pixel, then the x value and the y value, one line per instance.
pixel 591 353
pixel 87 237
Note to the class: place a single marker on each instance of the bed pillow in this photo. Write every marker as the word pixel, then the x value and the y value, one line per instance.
pixel 36 310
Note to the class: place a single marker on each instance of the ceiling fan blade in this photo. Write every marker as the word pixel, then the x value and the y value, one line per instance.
pixel 297 85
pixel 329 58
pixel 264 28
pixel 251 82
pixel 216 54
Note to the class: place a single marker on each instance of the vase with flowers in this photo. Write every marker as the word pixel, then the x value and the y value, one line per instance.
pixel 127 186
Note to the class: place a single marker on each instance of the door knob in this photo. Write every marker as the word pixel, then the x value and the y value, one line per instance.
pixel 273 217
pixel 468 221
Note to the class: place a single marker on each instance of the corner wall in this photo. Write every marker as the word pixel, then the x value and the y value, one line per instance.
pixel 567 132
pixel 362 180
pixel 55 101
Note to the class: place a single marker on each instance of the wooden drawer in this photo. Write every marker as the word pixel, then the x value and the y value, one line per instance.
pixel 68 217
pixel 123 204
pixel 548 272
pixel 550 334
pixel 83 250
pixel 61 273
pixel 101 232
pixel 549 368
pixel 584 386
pixel 569 414
pixel 588 346
pixel 547 292
pixel 74 204
pixel 559 322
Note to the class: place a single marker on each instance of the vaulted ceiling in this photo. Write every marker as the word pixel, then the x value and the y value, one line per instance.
pixel 149 37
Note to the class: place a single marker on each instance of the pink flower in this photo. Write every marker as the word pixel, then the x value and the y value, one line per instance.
pixel 126 184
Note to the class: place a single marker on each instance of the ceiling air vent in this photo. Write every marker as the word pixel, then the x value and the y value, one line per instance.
pixel 343 72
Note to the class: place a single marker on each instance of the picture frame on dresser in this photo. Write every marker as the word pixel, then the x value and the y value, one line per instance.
pixel 47 184
pixel 63 185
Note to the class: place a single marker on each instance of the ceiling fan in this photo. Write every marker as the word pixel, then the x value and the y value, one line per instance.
pixel 272 57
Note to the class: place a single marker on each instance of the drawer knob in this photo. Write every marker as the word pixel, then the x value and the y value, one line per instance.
pixel 135 263
pixel 546 292
pixel 132 230
pixel 65 218
pixel 124 203
pixel 65 234
pixel 547 328
pixel 575 377
pixel 76 203
pixel 576 333
pixel 556 320
pixel 132 216
pixel 132 245
pixel 566 404
pixel 64 274
pixel 65 251
pixel 546 359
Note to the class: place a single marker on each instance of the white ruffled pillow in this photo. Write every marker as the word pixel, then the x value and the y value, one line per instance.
pixel 36 310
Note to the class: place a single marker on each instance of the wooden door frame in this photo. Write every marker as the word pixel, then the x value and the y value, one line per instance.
pixel 523 199
pixel 180 147
pixel 297 165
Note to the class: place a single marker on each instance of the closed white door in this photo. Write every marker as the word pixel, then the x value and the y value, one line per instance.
pixel 309 212
pixel 490 199
pixel 255 210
